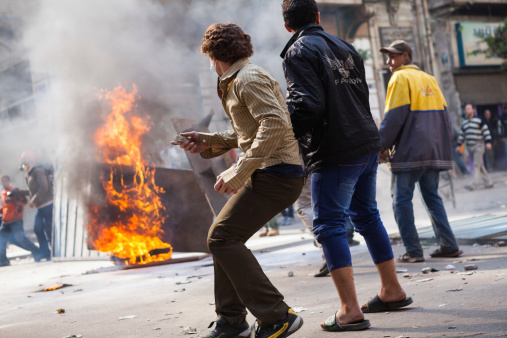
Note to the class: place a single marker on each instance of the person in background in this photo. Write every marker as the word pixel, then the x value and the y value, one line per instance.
pixel 475 134
pixel 456 154
pixel 489 155
pixel 288 215
pixel 272 228
pixel 328 101
pixel 417 131
pixel 41 197
pixel 502 144
pixel 267 178
pixel 12 205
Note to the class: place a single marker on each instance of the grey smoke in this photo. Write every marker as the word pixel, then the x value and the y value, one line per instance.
pixel 81 47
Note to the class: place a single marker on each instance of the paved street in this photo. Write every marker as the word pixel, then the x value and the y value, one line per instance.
pixel 177 299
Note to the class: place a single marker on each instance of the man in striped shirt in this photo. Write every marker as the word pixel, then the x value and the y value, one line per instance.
pixel 475 134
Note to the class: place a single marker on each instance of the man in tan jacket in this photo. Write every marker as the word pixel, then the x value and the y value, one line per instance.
pixel 267 179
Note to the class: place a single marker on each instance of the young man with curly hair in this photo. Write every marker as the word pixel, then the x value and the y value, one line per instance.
pixel 267 179
pixel 328 101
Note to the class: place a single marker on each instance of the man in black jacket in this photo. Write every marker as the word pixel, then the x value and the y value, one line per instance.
pixel 328 101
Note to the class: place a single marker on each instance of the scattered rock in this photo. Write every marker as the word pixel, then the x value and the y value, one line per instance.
pixel 426 270
pixel 451 327
pixel 291 274
pixel 500 243
pixel 60 311
pixel 470 267
pixel 406 275
pixel 74 336
pixel 442 305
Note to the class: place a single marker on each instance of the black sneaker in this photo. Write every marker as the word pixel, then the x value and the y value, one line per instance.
pixel 281 329
pixel 225 330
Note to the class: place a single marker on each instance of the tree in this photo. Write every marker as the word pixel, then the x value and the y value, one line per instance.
pixel 497 44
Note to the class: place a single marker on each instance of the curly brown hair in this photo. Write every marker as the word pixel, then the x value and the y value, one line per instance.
pixel 226 42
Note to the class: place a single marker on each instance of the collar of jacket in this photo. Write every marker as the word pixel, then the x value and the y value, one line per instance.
pixel 302 31
pixel 410 66
pixel 225 81
pixel 236 66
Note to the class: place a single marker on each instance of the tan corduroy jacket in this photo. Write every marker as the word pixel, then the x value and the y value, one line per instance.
pixel 254 102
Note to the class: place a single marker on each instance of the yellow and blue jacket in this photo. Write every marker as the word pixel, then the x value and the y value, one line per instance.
pixel 417 127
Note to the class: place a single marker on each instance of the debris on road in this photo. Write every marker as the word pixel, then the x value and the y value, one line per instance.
pixel 471 267
pixel 291 274
pixel 454 290
pixel 186 282
pixel 74 336
pixel 450 267
pixel 401 270
pixel 424 280
pixel 299 309
pixel 127 317
pixel 190 330
pixel 466 273
pixel 60 311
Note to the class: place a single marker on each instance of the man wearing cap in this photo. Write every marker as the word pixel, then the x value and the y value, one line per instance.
pixel 418 134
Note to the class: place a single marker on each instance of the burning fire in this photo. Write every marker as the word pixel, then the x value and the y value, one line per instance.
pixel 134 235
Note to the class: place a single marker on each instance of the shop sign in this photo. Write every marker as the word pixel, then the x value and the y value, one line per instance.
pixel 471 45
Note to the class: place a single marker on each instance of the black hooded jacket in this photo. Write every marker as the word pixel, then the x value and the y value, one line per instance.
pixel 327 97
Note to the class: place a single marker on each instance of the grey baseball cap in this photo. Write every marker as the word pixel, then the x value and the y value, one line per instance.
pixel 397 47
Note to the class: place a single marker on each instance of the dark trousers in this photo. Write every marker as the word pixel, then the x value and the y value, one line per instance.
pixel 43 229
pixel 240 283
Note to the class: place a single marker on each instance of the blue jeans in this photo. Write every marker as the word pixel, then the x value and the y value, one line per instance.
pixel 348 190
pixel 403 192
pixel 15 230
pixel 43 229
pixel 457 158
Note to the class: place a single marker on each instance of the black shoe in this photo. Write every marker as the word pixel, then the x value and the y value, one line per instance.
pixel 353 242
pixel 323 272
pixel 225 330
pixel 281 329
pixel 439 253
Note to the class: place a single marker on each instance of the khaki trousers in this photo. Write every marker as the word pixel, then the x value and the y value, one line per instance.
pixel 240 283
pixel 476 153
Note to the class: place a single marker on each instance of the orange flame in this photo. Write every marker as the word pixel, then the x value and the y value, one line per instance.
pixel 52 288
pixel 136 232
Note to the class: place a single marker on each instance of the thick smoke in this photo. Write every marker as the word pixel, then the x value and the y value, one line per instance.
pixel 81 47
